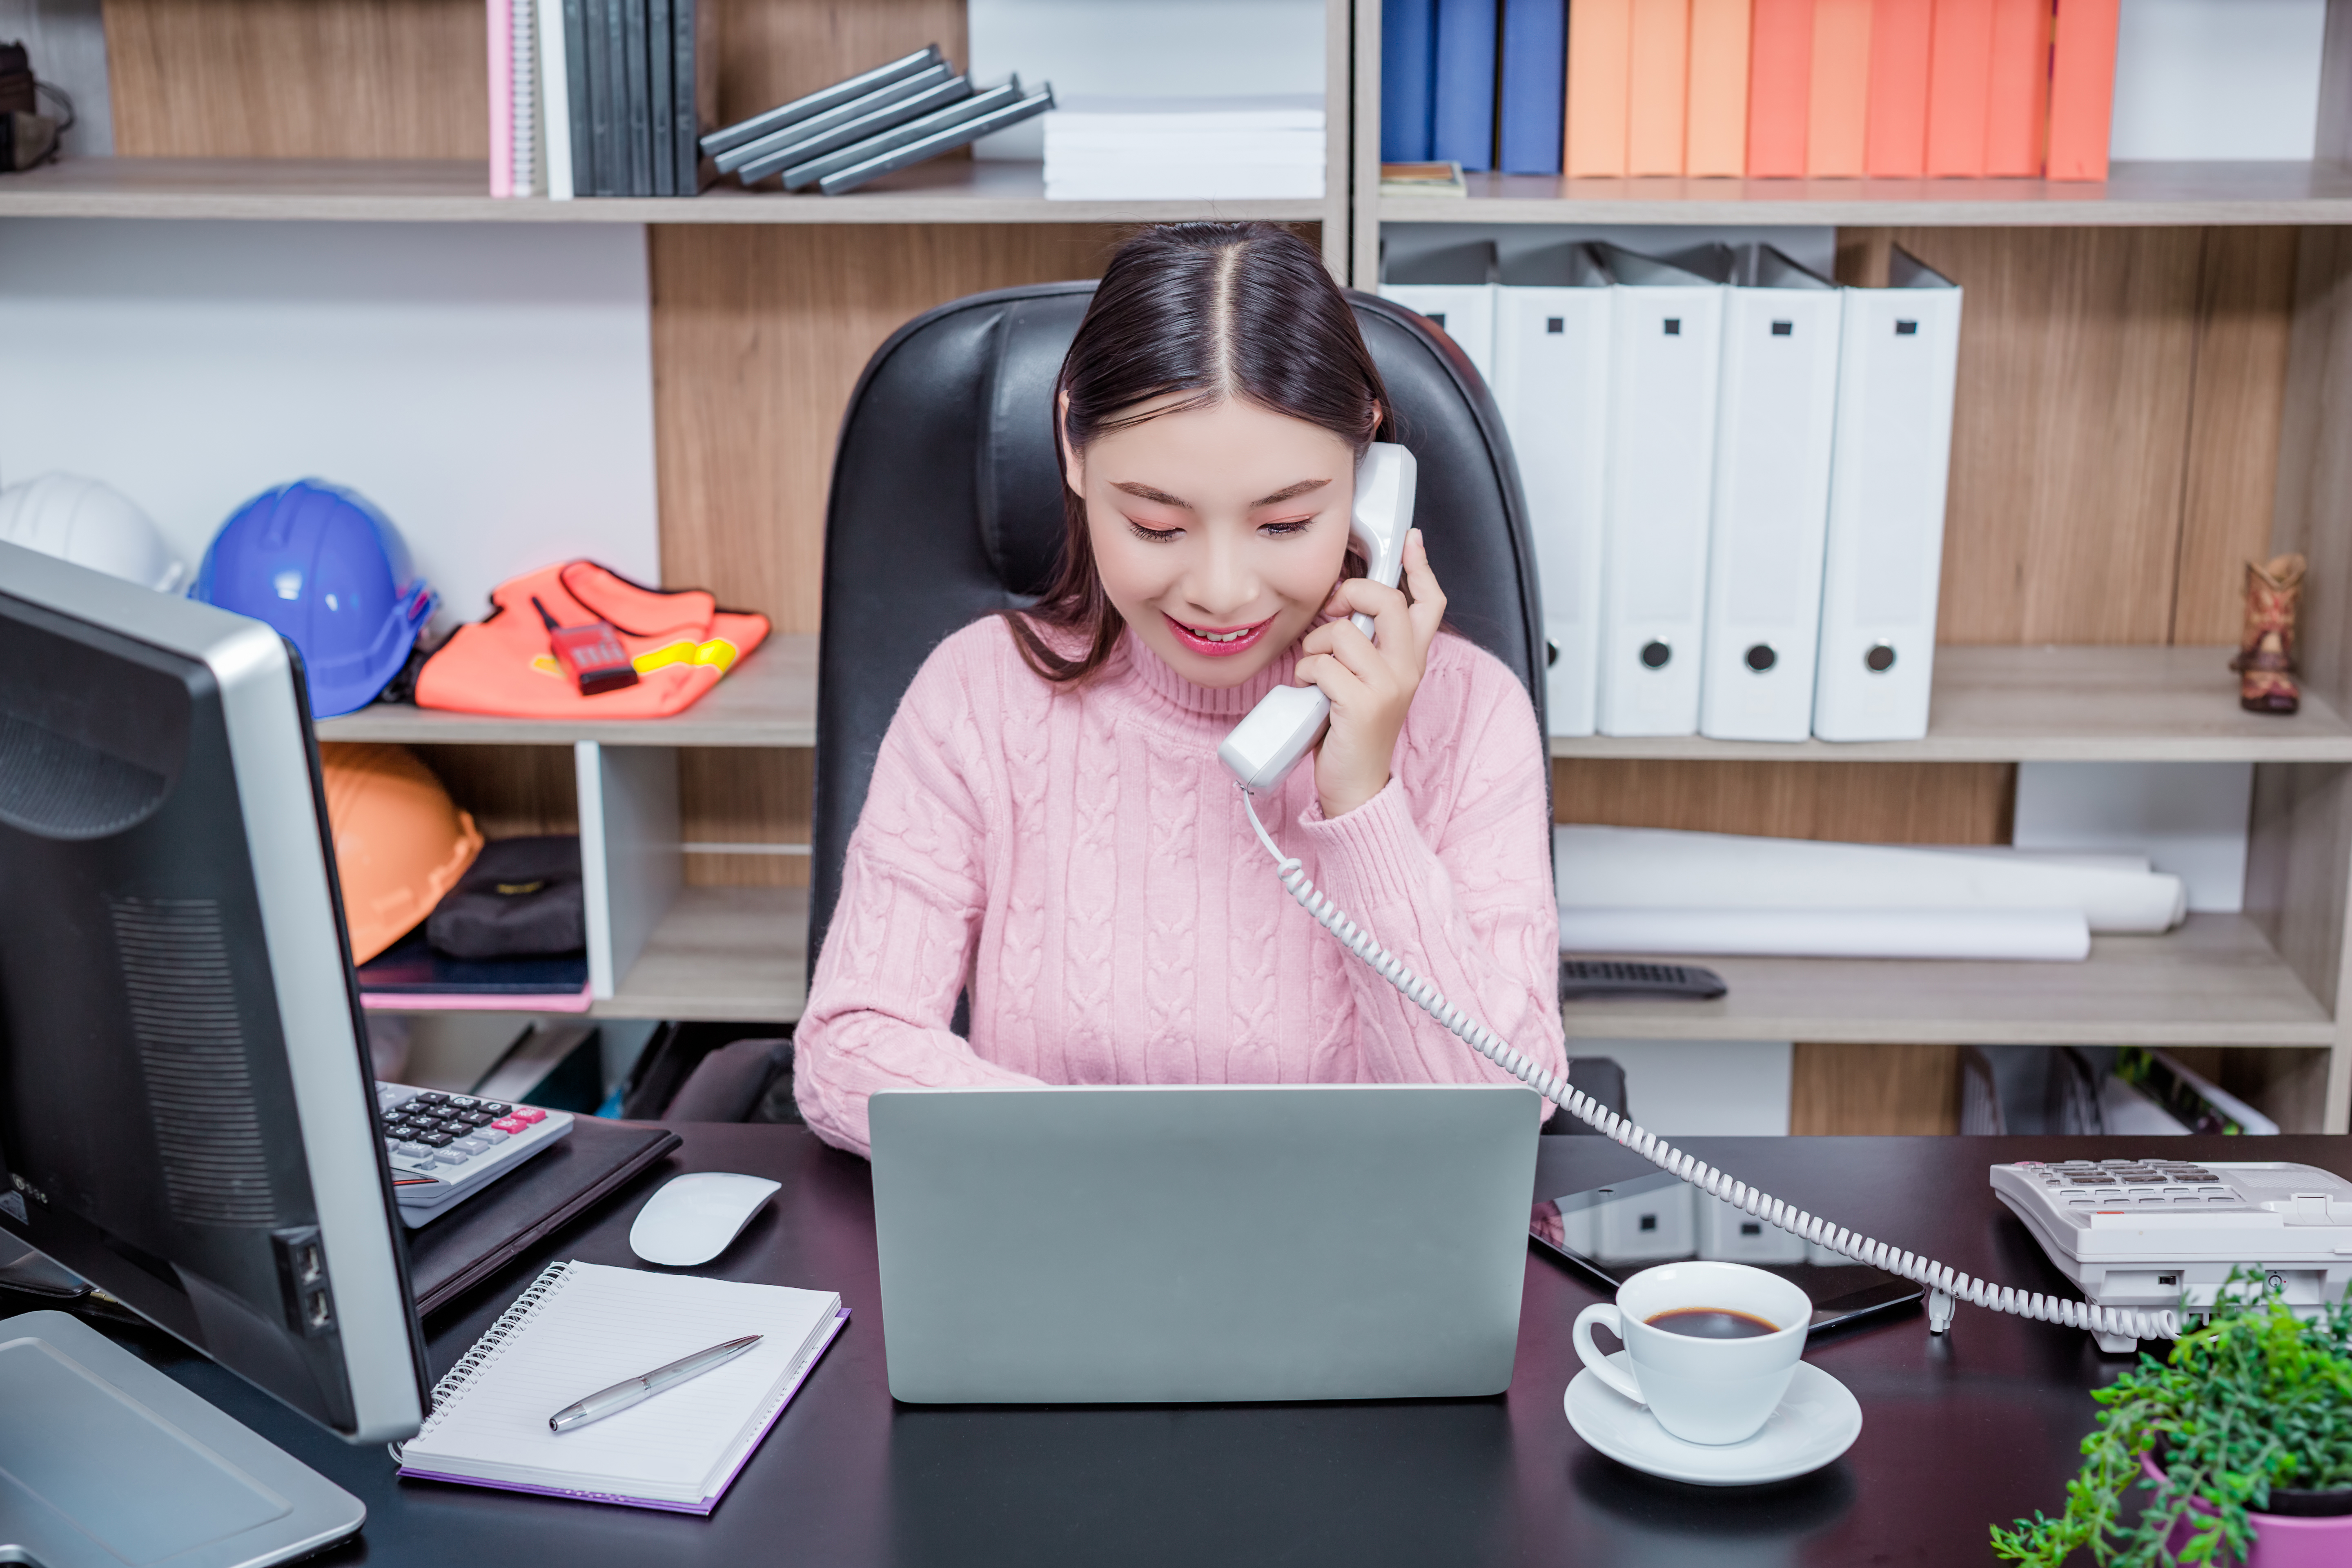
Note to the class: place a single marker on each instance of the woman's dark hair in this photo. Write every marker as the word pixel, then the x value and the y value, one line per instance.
pixel 1217 310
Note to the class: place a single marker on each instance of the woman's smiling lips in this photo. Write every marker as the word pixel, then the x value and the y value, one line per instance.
pixel 1216 642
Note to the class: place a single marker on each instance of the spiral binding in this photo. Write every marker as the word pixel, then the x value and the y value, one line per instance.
pixel 518 1313
pixel 1945 1283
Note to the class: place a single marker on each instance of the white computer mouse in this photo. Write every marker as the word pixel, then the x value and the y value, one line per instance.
pixel 694 1216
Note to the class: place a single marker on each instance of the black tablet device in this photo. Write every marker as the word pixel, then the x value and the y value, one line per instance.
pixel 1614 1232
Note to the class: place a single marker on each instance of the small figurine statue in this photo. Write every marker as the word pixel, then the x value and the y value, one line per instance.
pixel 2266 662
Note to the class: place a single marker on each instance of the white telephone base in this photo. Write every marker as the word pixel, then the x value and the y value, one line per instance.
pixel 2156 1234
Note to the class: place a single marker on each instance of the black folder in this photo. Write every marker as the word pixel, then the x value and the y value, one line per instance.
pixel 459 1249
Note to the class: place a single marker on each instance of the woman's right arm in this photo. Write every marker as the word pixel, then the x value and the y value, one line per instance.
pixel 912 892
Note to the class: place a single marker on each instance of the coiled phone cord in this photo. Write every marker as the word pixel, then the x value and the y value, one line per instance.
pixel 1945 1284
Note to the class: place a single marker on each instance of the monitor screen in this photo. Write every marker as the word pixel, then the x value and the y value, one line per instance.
pixel 186 1116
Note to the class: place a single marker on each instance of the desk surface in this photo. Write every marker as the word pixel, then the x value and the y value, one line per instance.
pixel 1959 1434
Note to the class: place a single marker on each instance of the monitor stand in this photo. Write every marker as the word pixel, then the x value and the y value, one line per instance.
pixel 104 1461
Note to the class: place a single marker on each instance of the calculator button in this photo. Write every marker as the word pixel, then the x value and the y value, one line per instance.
pixel 471 1146
pixel 510 1125
pixel 528 1116
pixel 494 1107
pixel 492 1135
pixel 433 1097
pixel 437 1139
pixel 476 1119
pixel 415 1151
pixel 463 1102
pixel 451 1156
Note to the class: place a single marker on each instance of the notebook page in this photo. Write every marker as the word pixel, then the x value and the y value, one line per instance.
pixel 601 1326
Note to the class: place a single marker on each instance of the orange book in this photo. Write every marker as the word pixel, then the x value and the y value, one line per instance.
pixel 2082 89
pixel 1779 69
pixel 1896 146
pixel 1959 76
pixel 1717 141
pixel 1599 43
pixel 1658 85
pixel 1838 94
pixel 2017 92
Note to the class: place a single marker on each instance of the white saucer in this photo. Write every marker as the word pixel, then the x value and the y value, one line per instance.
pixel 1818 1419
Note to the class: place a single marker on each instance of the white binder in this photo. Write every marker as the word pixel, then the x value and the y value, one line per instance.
pixel 1773 422
pixel 1896 367
pixel 1665 355
pixel 1455 288
pixel 1551 381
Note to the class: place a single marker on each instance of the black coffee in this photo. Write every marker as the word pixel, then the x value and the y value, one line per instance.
pixel 1711 1323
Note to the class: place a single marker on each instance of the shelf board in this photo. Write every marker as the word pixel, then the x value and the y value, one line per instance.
pixel 2052 704
pixel 721 954
pixel 1991 704
pixel 2134 193
pixel 769 699
pixel 954 190
pixel 2213 982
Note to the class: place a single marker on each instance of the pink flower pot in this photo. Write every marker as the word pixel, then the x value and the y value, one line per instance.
pixel 2281 1541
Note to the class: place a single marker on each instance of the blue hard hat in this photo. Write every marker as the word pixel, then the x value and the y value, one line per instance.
pixel 334 575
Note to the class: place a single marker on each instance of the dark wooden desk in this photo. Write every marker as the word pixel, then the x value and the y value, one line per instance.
pixel 1959 1433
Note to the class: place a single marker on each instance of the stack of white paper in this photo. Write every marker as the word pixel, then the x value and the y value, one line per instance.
pixel 1184 148
pixel 1629 890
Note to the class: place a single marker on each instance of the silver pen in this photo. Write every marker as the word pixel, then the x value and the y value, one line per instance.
pixel 635 1391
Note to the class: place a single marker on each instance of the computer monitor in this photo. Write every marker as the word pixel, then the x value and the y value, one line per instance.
pixel 187 1112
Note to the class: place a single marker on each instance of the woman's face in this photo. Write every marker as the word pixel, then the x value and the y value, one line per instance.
pixel 1219 532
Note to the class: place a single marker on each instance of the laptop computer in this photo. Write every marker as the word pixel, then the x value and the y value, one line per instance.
pixel 1201 1242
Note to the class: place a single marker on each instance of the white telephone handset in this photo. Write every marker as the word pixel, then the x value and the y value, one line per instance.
pixel 1266 745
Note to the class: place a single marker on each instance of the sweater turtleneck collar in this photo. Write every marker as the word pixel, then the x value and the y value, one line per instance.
pixel 1154 675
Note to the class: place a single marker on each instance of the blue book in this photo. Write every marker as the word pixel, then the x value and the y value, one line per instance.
pixel 1462 117
pixel 1534 84
pixel 1408 76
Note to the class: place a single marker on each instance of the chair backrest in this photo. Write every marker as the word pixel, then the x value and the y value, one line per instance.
pixel 947 505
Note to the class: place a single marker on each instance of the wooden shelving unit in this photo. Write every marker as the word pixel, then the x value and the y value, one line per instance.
pixel 954 191
pixel 2216 981
pixel 720 954
pixel 2051 705
pixel 2135 194
pixel 769 699
pixel 2151 390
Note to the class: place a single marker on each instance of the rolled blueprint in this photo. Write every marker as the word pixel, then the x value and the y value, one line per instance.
pixel 2044 935
pixel 1659 869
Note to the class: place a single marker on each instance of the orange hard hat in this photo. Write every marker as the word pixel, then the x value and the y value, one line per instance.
pixel 400 841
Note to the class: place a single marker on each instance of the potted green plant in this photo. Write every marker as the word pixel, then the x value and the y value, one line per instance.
pixel 2241 1437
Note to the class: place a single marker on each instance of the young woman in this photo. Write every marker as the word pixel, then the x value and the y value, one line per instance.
pixel 1048 825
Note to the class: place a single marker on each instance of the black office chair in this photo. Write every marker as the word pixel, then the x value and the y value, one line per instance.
pixel 947 505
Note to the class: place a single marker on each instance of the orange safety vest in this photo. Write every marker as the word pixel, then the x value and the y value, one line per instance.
pixel 681 643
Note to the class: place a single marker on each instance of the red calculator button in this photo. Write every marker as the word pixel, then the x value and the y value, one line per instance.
pixel 510 1124
pixel 528 1117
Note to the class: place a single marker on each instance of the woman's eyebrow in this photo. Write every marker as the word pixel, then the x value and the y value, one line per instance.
pixel 1145 492
pixel 1289 492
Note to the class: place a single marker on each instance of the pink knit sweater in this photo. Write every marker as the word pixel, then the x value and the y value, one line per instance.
pixel 1079 858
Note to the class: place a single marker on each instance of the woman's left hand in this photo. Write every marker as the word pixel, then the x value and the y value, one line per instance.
pixel 1370 685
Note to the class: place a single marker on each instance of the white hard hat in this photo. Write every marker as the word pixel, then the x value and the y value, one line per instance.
pixel 90 524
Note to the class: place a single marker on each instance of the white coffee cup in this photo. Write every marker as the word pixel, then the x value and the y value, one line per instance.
pixel 1712 1391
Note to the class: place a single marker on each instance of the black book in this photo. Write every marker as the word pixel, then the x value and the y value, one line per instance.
pixel 613 146
pixel 481 1235
pixel 575 88
pixel 598 164
pixel 695 101
pixel 639 132
pixel 661 78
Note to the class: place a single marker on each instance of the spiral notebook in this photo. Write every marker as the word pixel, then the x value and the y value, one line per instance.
pixel 582 1327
